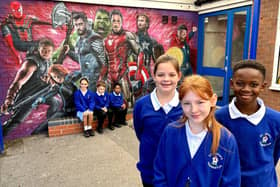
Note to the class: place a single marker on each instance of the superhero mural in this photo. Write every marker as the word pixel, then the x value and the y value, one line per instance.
pixel 46 47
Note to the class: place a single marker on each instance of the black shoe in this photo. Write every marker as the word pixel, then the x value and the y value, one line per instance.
pixel 86 134
pixel 91 132
pixel 111 127
pixel 124 123
pixel 117 125
pixel 100 131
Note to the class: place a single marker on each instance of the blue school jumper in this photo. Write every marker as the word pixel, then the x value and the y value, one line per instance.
pixel 116 100
pixel 101 100
pixel 84 102
pixel 259 146
pixel 149 125
pixel 174 166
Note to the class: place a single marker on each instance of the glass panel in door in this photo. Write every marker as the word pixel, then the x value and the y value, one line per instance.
pixel 237 40
pixel 215 28
pixel 215 41
pixel 238 35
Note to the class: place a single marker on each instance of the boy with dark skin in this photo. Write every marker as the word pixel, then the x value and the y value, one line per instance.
pixel 255 126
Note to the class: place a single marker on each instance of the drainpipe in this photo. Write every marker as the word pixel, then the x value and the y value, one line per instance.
pixel 255 29
pixel 1 139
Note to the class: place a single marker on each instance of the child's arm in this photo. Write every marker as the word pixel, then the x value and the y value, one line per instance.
pixel 137 124
pixel 107 103
pixel 159 164
pixel 91 102
pixel 232 172
pixel 77 100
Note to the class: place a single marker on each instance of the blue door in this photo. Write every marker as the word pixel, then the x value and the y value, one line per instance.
pixel 223 40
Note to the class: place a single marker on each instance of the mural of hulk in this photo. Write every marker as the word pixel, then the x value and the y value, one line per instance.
pixel 61 30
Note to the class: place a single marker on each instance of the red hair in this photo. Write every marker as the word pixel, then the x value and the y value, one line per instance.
pixel 202 87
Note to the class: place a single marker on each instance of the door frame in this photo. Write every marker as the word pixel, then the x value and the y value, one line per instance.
pixel 225 72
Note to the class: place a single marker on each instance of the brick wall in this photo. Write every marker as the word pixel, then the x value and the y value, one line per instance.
pixel 71 125
pixel 266 45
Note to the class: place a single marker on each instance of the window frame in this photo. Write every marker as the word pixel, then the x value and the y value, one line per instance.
pixel 276 62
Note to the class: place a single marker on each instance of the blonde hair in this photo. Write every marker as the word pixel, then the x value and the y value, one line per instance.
pixel 202 87
pixel 101 83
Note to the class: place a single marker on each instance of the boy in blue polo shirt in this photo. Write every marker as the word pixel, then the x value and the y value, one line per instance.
pixel 118 108
pixel 255 126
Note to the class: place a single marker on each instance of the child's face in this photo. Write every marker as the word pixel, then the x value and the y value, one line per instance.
pixel 117 89
pixel 247 84
pixel 196 109
pixel 101 89
pixel 83 84
pixel 166 78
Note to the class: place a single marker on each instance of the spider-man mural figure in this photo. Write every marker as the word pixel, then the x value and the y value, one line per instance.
pixel 17 30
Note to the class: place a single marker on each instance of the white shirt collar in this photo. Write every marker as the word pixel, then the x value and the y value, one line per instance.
pixel 99 94
pixel 253 118
pixel 167 107
pixel 116 94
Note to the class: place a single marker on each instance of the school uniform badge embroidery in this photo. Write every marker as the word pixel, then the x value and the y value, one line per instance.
pixel 215 161
pixel 265 139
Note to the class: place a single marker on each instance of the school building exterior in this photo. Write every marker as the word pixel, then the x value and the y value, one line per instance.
pixel 224 31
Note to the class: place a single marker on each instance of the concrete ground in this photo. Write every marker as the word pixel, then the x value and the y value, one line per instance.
pixel 106 160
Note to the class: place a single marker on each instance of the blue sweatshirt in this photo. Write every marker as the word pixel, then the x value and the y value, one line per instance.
pixel 84 102
pixel 258 146
pixel 116 100
pixel 149 125
pixel 174 166
pixel 101 100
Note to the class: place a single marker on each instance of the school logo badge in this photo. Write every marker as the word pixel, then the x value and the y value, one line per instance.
pixel 265 139
pixel 215 161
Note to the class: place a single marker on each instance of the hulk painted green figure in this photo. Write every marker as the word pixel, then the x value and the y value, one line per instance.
pixel 101 25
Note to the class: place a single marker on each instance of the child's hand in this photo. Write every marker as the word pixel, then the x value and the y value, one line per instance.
pixel 123 106
pixel 104 109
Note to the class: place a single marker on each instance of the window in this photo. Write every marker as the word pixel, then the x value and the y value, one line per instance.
pixel 275 84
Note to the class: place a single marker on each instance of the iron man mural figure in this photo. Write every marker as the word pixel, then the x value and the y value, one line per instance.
pixel 119 46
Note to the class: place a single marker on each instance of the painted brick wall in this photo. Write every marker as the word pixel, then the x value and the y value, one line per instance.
pixel 42 9
pixel 266 45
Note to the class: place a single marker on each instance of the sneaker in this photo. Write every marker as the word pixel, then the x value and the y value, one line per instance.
pixel 86 134
pixel 91 132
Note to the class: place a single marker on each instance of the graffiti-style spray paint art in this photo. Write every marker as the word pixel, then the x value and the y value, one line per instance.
pixel 139 37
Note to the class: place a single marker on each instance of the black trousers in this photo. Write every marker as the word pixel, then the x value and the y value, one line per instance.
pixel 147 185
pixel 101 115
pixel 118 114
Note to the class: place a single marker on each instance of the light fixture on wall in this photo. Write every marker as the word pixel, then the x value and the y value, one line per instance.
pixel 164 19
pixel 174 20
